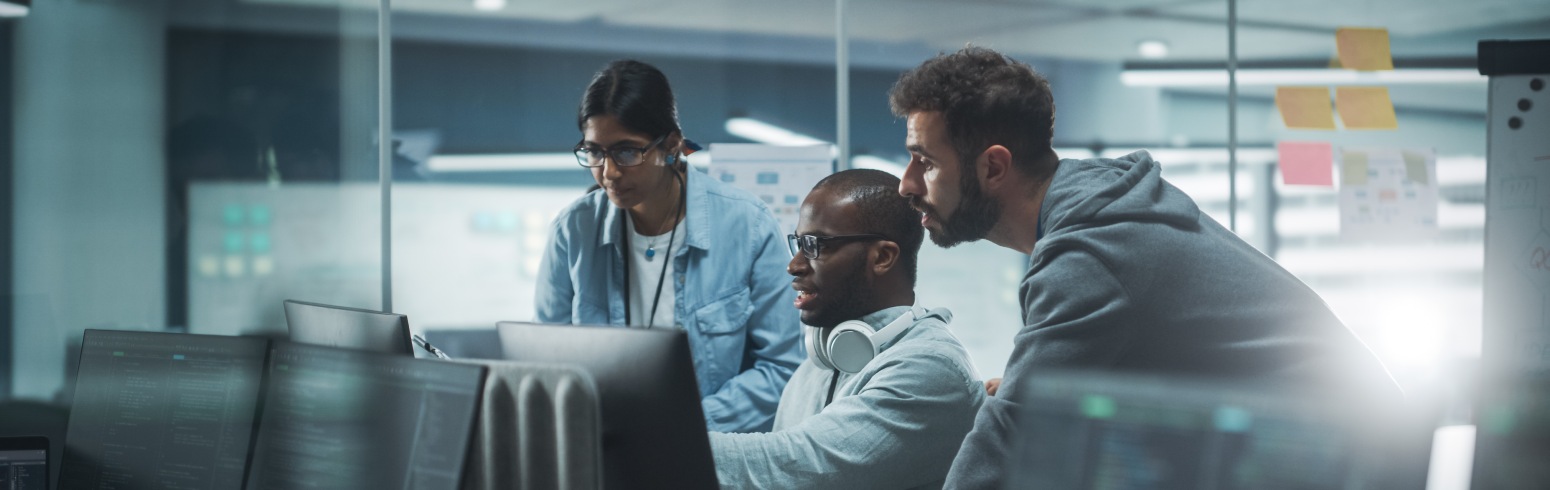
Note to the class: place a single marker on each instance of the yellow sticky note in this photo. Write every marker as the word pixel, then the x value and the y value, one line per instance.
pixel 1365 108
pixel 1364 48
pixel 1353 168
pixel 1305 107
pixel 1415 167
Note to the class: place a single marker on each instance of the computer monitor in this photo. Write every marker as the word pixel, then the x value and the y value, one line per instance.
pixel 1512 432
pixel 24 463
pixel 162 410
pixel 653 428
pixel 342 418
pixel 350 328
pixel 1089 430
pixel 483 343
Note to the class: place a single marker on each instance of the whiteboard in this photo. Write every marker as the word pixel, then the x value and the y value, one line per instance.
pixel 1517 242
pixel 464 256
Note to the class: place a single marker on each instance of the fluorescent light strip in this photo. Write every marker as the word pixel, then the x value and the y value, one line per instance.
pixel 489 5
pixel 769 134
pixel 12 10
pixel 502 162
pixel 1308 76
pixel 877 163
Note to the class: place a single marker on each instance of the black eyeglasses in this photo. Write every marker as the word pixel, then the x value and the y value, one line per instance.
pixel 624 156
pixel 810 245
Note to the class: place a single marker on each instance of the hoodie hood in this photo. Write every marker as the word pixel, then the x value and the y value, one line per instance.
pixel 1101 191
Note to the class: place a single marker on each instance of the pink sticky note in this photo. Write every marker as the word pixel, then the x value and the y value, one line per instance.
pixel 1306 163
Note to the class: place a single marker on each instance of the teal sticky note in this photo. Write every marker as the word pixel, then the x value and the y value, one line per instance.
pixel 259 215
pixel 506 221
pixel 484 221
pixel 232 215
pixel 260 242
pixel 233 242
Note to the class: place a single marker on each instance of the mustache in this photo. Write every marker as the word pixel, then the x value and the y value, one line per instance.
pixel 920 205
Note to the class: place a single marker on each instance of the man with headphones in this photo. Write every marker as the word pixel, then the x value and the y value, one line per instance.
pixel 886 393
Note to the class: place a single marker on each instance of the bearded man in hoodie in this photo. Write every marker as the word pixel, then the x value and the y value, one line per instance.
pixel 1125 272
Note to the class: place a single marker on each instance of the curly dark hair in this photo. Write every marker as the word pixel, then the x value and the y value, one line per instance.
pixel 883 211
pixel 986 98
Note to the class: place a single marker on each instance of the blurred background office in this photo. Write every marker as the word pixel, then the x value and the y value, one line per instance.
pixel 185 165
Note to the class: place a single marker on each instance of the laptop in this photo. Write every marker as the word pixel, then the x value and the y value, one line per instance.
pixel 23 463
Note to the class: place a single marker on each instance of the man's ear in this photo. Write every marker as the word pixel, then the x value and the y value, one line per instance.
pixel 994 167
pixel 884 257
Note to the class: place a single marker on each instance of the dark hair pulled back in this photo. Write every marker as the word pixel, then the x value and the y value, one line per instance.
pixel 636 93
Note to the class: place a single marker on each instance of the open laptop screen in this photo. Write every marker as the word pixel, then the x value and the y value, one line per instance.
pixel 339 418
pixel 24 463
pixel 350 328
pixel 162 410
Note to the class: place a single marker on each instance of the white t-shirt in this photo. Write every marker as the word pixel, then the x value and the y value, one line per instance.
pixel 644 274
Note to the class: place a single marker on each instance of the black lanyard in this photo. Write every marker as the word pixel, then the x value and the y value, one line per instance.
pixel 832 381
pixel 683 197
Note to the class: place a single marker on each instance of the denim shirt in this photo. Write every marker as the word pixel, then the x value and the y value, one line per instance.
pixel 731 293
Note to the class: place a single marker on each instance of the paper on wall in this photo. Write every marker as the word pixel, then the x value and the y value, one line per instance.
pixel 1365 108
pixel 780 176
pixel 1305 107
pixel 1363 48
pixel 1388 193
pixel 1305 163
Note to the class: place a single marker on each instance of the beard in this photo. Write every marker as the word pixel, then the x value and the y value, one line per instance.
pixel 975 216
pixel 847 301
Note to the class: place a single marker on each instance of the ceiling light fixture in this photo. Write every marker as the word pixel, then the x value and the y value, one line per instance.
pixel 1299 76
pixel 502 162
pixel 1152 49
pixel 489 5
pixel 769 134
pixel 14 8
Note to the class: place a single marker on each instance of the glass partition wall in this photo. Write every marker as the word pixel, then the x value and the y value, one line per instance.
pixel 485 105
pixel 186 165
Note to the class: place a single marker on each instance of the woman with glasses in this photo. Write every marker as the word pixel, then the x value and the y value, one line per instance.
pixel 659 245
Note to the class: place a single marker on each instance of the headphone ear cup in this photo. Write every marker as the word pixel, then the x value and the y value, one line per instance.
pixel 849 346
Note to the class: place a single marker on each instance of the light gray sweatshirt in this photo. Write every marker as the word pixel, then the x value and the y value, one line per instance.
pixel 895 424
pixel 1129 275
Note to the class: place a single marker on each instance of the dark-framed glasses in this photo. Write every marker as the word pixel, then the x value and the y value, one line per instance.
pixel 592 156
pixel 811 245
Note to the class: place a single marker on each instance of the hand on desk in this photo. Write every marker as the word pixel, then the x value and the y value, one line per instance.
pixel 991 385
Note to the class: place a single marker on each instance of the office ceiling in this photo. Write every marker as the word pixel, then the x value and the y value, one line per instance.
pixel 899 33
pixel 1106 30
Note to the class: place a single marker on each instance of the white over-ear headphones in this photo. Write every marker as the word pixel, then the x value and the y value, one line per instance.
pixel 852 344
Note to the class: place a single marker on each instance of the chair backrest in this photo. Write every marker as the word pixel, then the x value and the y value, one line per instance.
pixel 539 427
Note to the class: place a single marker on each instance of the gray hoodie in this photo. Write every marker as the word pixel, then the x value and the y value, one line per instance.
pixel 895 424
pixel 1129 275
